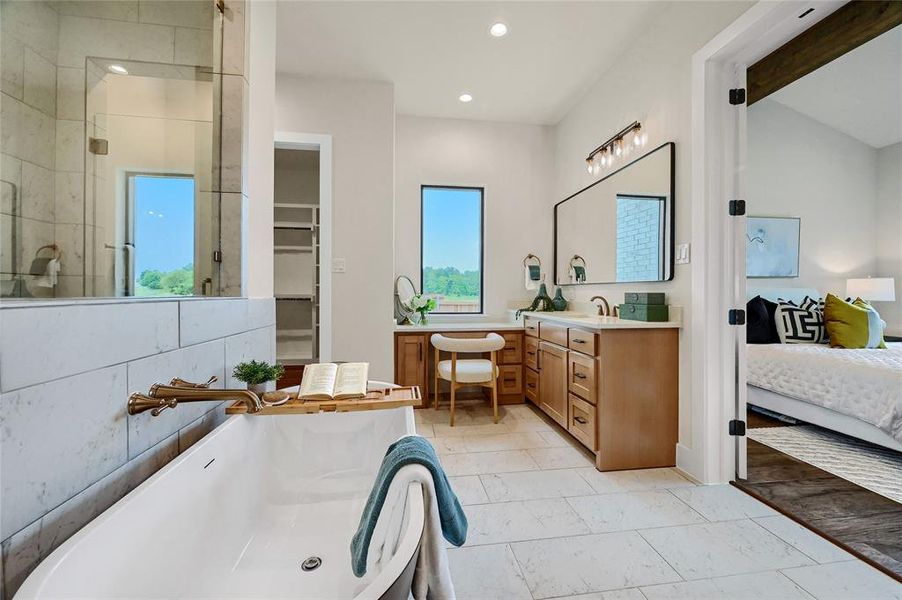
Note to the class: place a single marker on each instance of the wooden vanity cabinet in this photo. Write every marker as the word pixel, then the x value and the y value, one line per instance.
pixel 553 381
pixel 614 390
pixel 411 353
pixel 415 364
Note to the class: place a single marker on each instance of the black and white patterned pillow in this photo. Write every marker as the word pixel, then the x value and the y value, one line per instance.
pixel 800 324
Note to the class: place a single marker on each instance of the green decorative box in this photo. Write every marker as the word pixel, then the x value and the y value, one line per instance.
pixel 645 312
pixel 643 298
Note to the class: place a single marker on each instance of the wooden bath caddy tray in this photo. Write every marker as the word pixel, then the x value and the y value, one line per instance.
pixel 374 400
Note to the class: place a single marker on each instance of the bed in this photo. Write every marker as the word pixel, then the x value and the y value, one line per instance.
pixel 854 392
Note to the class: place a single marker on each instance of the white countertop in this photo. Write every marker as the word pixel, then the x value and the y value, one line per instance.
pixel 474 325
pixel 575 319
pixel 595 322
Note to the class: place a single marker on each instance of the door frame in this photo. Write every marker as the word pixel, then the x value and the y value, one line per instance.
pixel 718 174
pixel 293 140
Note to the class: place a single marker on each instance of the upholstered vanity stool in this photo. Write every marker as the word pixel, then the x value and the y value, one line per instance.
pixel 469 371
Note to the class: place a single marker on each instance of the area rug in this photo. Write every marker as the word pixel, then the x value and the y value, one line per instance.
pixel 872 467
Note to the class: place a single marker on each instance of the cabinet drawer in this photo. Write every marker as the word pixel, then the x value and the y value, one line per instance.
pixel 512 353
pixel 582 341
pixel 531 326
pixel 581 376
pixel 531 353
pixel 510 379
pixel 582 422
pixel 556 334
pixel 532 384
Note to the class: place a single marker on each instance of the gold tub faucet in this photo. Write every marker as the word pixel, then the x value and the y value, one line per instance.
pixel 160 397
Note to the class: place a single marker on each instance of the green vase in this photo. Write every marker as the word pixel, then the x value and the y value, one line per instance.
pixel 559 302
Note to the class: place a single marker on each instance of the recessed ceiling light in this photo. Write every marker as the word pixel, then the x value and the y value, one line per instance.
pixel 465 97
pixel 498 29
pixel 118 69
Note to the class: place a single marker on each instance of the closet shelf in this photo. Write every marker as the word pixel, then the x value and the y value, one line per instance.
pixel 294 296
pixel 293 248
pixel 293 225
pixel 294 205
pixel 293 333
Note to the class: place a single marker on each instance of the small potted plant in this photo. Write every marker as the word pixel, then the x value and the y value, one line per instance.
pixel 256 374
pixel 423 305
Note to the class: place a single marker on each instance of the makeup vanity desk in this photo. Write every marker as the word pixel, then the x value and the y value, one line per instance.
pixel 611 383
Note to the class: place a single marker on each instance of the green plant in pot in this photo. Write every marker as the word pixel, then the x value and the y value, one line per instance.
pixel 256 374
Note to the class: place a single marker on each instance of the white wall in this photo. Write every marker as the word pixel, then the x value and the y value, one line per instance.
pixel 515 165
pixel 257 275
pixel 889 228
pixel 650 82
pixel 360 118
pixel 798 167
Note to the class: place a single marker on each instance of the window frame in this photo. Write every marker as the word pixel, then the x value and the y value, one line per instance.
pixel 481 190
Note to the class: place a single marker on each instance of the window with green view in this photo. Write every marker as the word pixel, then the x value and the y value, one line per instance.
pixel 451 251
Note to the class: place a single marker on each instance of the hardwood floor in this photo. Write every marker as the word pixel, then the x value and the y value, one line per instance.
pixel 861 521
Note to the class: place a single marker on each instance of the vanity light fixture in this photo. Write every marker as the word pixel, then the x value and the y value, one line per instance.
pixel 498 30
pixel 118 69
pixel 465 97
pixel 604 155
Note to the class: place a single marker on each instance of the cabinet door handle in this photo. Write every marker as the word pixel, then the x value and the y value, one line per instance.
pixel 580 420
pixel 578 341
pixel 531 353
pixel 530 385
pixel 579 375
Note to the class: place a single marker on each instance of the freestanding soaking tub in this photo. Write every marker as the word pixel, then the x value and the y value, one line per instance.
pixel 237 515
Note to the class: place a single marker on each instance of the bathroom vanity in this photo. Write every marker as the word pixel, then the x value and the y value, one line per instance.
pixel 611 383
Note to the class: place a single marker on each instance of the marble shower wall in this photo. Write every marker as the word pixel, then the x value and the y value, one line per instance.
pixel 44 50
pixel 29 34
pixel 68 449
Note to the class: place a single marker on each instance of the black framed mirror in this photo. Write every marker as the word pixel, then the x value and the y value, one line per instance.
pixel 620 228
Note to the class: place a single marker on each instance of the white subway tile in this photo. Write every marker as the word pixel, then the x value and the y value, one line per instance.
pixel 40 83
pixel 70 93
pixel 194 363
pixel 186 13
pixel 48 342
pixel 81 37
pixel 27 133
pixel 59 438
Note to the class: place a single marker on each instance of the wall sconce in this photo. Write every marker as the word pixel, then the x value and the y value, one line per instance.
pixel 618 145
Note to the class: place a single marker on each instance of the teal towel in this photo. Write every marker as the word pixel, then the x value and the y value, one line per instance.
pixel 580 273
pixel 409 450
pixel 534 272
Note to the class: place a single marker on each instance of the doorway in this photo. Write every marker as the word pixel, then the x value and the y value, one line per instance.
pixel 735 71
pixel 302 235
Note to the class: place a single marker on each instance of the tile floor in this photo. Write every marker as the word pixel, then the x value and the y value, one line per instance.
pixel 545 524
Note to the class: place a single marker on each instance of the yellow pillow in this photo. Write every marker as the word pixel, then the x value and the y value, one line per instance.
pixel 852 325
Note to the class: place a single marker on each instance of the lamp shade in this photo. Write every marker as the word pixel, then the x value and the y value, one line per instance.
pixel 879 289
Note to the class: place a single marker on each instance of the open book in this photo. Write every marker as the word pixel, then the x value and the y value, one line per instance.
pixel 329 381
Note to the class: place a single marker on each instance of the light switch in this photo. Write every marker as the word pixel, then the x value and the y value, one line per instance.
pixel 682 254
pixel 339 265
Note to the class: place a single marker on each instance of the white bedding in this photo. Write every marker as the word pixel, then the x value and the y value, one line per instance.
pixel 865 384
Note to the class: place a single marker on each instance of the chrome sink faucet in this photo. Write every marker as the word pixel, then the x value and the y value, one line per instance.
pixel 604 309
pixel 160 397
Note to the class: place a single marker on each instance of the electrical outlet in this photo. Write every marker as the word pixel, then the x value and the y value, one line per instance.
pixel 682 254
pixel 339 265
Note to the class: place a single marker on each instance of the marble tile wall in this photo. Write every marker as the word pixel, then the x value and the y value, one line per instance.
pixel 68 448
pixel 29 32
pixel 42 79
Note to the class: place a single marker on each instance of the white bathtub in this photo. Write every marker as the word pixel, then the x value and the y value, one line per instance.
pixel 237 514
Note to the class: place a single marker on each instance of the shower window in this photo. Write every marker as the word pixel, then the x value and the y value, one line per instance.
pixel 158 252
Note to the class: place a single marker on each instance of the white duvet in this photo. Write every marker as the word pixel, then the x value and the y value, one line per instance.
pixel 865 384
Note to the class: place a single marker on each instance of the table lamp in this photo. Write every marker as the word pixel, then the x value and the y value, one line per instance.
pixel 872 289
